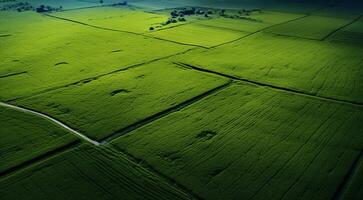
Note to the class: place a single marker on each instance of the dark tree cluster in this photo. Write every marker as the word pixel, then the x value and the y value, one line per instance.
pixel 20 7
pixel 124 3
pixel 43 8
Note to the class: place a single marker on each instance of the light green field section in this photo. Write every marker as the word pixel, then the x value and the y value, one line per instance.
pixel 248 142
pixel 200 35
pixel 311 27
pixel 352 34
pixel 118 18
pixel 103 107
pixel 256 21
pixel 87 173
pixel 318 68
pixel 43 53
pixel 25 136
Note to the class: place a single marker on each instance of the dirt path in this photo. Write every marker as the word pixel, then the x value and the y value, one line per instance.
pixel 44 116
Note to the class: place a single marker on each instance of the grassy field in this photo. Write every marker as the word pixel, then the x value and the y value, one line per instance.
pixel 262 101
pixel 191 34
pixel 123 18
pixel 54 53
pixel 270 145
pixel 87 173
pixel 252 23
pixel 319 68
pixel 25 137
pixel 104 106
pixel 311 27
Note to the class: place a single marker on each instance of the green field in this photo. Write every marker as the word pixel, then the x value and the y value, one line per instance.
pixel 25 137
pixel 325 69
pixel 191 99
pixel 104 106
pixel 267 144
pixel 87 173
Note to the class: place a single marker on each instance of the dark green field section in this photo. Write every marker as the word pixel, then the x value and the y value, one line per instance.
pixel 55 53
pixel 267 145
pixel 311 27
pixel 87 173
pixel 25 137
pixel 105 106
pixel 350 35
pixel 354 190
pixel 317 68
pixel 254 22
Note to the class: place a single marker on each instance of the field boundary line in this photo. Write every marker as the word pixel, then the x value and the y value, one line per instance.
pixel 92 78
pixel 342 27
pixel 348 177
pixel 39 158
pixel 123 31
pixel 163 113
pixel 279 88
pixel 53 120
pixel 13 74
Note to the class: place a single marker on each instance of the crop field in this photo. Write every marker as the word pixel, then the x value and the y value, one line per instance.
pixel 105 106
pixel 191 99
pixel 76 174
pixel 25 137
pixel 268 138
pixel 324 69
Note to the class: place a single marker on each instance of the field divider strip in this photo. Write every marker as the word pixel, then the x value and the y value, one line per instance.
pixel 13 74
pixel 92 78
pixel 342 27
pixel 123 31
pixel 40 158
pixel 279 88
pixel 55 121
pixel 163 113
pixel 348 177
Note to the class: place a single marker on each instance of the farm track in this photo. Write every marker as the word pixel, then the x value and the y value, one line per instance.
pixel 163 113
pixel 340 28
pixel 40 158
pixel 92 78
pixel 279 88
pixel 348 177
pixel 123 31
pixel 53 120
pixel 13 74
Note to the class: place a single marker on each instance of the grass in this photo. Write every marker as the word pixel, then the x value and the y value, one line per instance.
pixel 311 27
pixel 195 34
pixel 318 68
pixel 252 23
pixel 54 53
pixel 170 122
pixel 123 18
pixel 270 145
pixel 25 137
pixel 104 106
pixel 87 173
